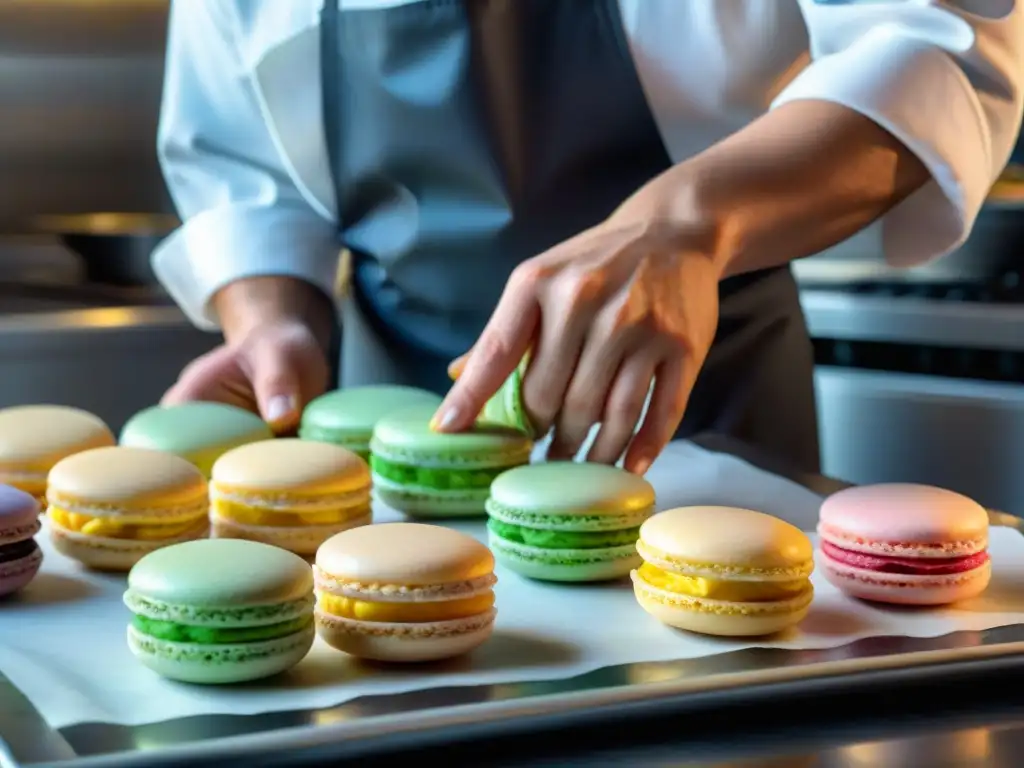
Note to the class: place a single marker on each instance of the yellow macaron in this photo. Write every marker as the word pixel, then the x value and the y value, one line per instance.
pixel 292 493
pixel 724 571
pixel 33 438
pixel 109 507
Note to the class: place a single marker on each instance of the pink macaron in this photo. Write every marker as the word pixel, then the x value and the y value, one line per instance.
pixel 20 556
pixel 905 544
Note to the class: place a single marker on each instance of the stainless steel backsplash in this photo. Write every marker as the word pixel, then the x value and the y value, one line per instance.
pixel 80 85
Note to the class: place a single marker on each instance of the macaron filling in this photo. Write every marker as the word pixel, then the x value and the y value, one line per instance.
pixel 555 539
pixel 175 632
pixel 905 566
pixel 436 478
pixel 113 528
pixel 405 611
pixel 719 589
pixel 17 550
pixel 250 512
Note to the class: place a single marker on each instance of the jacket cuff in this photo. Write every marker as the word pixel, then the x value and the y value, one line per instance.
pixel 921 96
pixel 220 246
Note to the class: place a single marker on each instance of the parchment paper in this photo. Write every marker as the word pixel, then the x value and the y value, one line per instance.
pixel 62 642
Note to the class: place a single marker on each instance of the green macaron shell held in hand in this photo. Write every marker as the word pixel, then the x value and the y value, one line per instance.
pixel 347 417
pixel 220 611
pixel 567 521
pixel 506 405
pixel 424 473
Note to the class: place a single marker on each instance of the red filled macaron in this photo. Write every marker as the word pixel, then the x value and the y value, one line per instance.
pixel 905 544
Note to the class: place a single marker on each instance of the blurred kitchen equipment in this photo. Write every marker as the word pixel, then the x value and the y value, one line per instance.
pixel 115 247
pixel 80 87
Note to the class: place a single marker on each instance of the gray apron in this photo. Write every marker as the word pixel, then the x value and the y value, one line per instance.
pixel 466 136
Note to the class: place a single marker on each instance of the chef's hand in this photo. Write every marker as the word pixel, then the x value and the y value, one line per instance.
pixel 271 367
pixel 630 303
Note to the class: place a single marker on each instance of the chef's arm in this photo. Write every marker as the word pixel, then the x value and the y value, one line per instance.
pixel 908 111
pixel 251 249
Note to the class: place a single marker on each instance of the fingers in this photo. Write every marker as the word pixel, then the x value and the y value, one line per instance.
pixel 207 378
pixel 623 408
pixel 495 355
pixel 672 386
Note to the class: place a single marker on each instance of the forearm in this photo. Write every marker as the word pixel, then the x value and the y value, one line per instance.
pixel 803 177
pixel 253 301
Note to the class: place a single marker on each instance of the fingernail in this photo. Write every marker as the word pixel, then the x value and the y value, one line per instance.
pixel 642 465
pixel 444 419
pixel 455 368
pixel 280 407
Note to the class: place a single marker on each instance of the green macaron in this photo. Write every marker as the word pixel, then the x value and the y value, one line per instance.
pixel 199 432
pixel 220 611
pixel 425 473
pixel 567 521
pixel 347 417
pixel 506 405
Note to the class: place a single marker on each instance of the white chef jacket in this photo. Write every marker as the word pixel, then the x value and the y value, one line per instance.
pixel 242 144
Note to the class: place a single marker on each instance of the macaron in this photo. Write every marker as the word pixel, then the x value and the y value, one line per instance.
pixel 567 521
pixel 35 437
pixel 289 492
pixel 506 406
pixel 220 611
pixel 431 474
pixel 724 571
pixel 347 417
pixel 20 556
pixel 905 544
pixel 404 592
pixel 109 507
pixel 199 432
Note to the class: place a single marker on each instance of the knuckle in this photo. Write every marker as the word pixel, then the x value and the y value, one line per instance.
pixel 580 289
pixel 527 276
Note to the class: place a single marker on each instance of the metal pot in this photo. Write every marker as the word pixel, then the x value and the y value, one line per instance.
pixel 115 247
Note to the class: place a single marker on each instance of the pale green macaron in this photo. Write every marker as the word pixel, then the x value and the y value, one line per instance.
pixel 347 417
pixel 424 473
pixel 220 611
pixel 568 521
pixel 199 432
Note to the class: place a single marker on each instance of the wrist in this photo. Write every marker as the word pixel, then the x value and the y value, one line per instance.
pixel 252 302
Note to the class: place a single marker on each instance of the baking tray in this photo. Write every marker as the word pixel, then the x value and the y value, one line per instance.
pixel 367 726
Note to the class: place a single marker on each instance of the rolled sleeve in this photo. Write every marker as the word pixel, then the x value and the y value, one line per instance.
pixel 945 81
pixel 243 216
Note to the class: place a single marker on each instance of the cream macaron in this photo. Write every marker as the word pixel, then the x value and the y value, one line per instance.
pixel 33 438
pixel 404 592
pixel 288 492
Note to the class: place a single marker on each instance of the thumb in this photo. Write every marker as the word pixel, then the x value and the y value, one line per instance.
pixel 276 385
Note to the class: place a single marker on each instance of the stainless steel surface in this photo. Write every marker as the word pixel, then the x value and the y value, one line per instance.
pixel 80 86
pixel 25 736
pixel 878 426
pixel 757 677
pixel 847 316
pixel 112 361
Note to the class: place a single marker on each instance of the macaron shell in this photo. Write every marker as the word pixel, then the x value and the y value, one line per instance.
pixel 407 436
pixel 572 488
pixel 130 477
pixel 409 554
pixel 428 503
pixel 222 572
pixel 405 643
pixel 901 589
pixel 353 412
pixel 37 436
pixel 17 574
pixel 742 620
pixel 300 540
pixel 191 428
pixel 904 519
pixel 19 514
pixel 220 664
pixel 114 555
pixel 565 565
pixel 726 541
pixel 291 465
